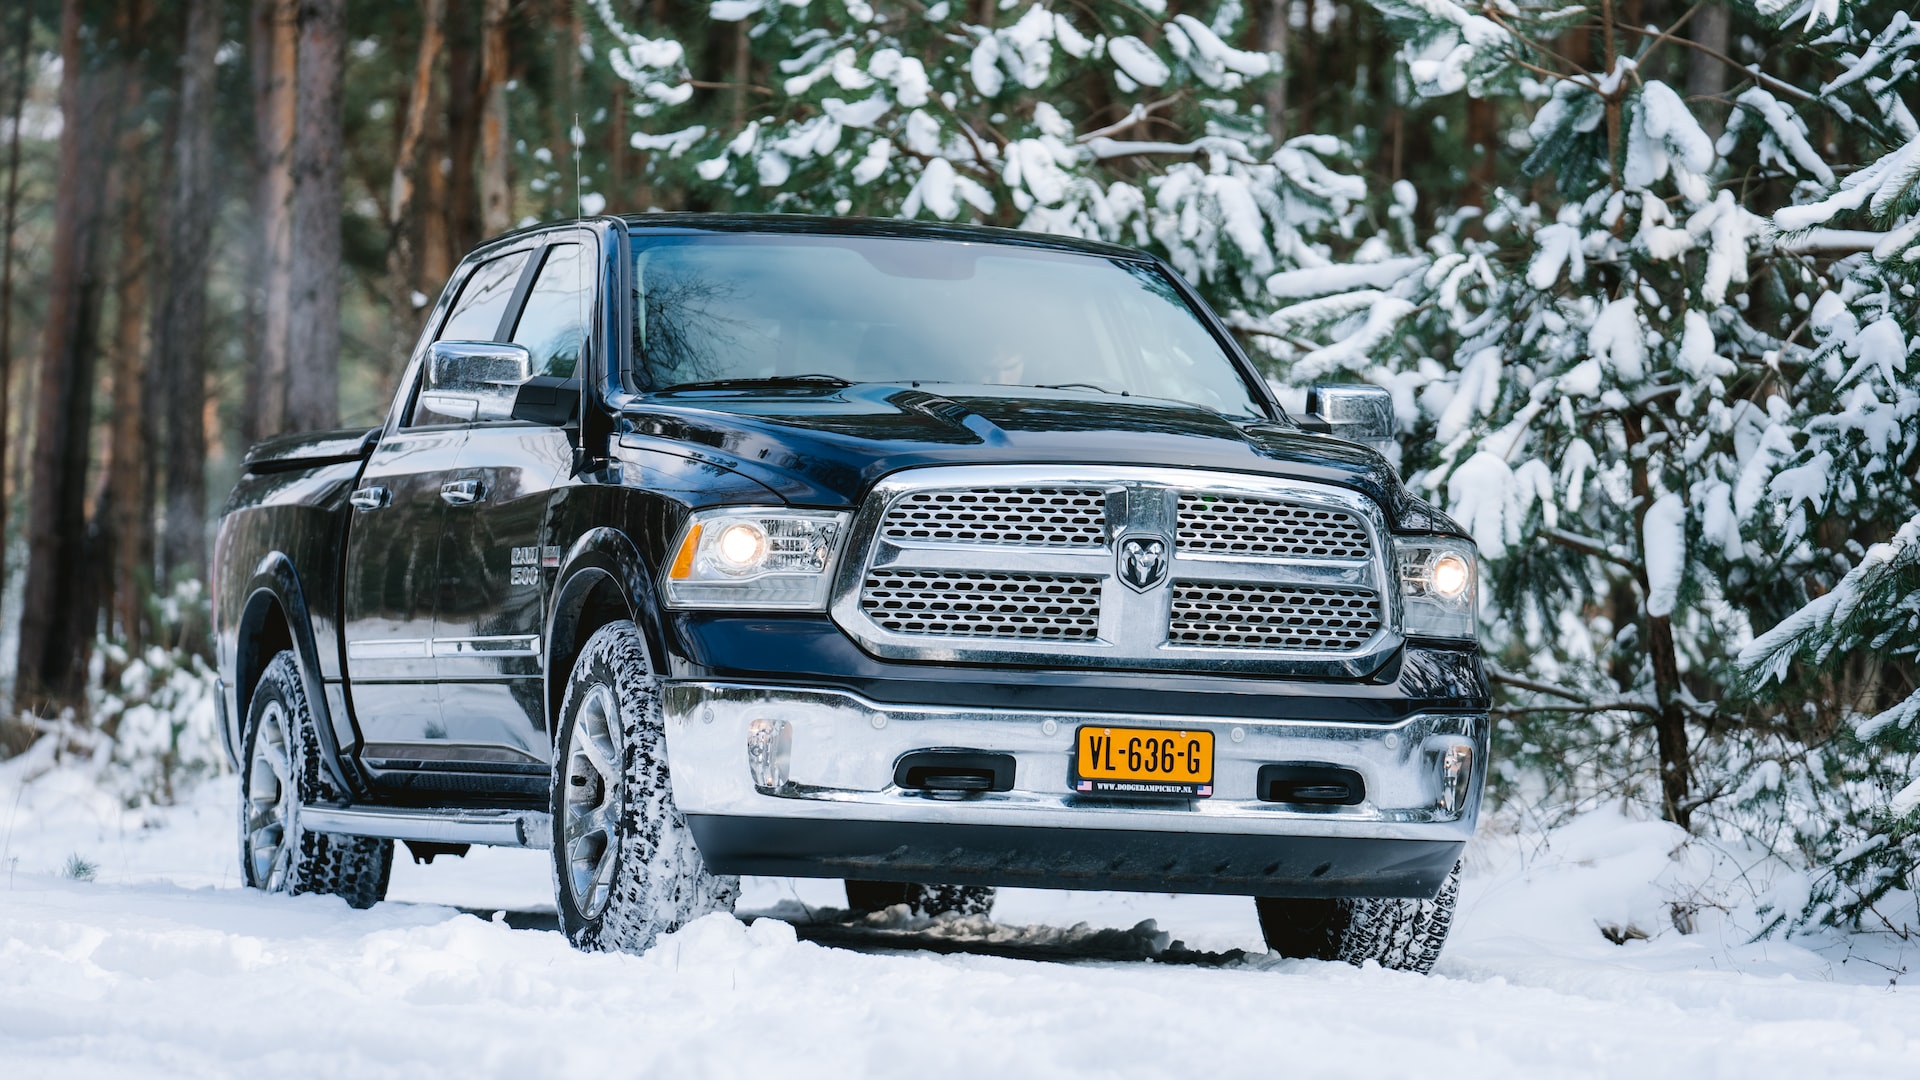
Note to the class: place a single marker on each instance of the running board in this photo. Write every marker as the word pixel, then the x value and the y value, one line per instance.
pixel 498 828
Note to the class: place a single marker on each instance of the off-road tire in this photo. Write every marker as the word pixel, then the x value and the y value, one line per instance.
pixel 354 868
pixel 1404 935
pixel 925 900
pixel 657 882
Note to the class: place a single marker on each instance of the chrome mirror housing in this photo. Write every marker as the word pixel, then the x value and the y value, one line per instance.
pixel 475 380
pixel 1362 414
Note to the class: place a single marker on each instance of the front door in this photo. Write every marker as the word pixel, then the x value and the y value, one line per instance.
pixel 496 561
pixel 393 547
pixel 392 573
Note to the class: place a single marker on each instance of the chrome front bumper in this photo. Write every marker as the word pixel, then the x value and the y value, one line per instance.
pixel 839 813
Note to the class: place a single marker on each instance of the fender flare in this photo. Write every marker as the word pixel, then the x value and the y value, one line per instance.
pixel 600 557
pixel 276 584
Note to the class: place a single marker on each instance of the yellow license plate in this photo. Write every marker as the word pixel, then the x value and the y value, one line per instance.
pixel 1143 761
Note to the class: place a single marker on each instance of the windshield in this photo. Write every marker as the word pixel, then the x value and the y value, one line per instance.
pixel 772 307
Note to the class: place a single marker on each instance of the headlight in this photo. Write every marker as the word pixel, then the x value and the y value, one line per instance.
pixel 1436 586
pixel 755 557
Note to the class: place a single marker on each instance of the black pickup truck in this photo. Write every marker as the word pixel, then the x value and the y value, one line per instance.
pixel 930 558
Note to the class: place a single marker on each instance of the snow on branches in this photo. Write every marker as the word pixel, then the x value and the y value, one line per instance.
pixel 1674 401
pixel 1664 377
pixel 931 115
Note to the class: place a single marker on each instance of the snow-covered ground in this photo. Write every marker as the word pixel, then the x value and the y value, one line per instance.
pixel 162 964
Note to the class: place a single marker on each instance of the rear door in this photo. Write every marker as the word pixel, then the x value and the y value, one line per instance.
pixel 496 561
pixel 393 545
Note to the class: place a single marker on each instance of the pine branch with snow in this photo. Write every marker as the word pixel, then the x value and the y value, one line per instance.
pixel 933 116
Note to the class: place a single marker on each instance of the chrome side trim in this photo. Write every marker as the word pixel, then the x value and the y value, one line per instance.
pixel 504 645
pixel 448 752
pixel 495 828
pixel 390 649
pixel 1133 629
pixel 427 648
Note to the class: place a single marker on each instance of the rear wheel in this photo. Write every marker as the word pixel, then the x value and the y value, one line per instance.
pixel 928 900
pixel 1405 935
pixel 282 769
pixel 625 866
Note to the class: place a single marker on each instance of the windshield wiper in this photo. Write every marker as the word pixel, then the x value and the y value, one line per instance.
pixel 768 382
pixel 1080 386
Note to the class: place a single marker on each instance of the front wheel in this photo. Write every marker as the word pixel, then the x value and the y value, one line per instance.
pixel 281 768
pixel 1404 935
pixel 625 866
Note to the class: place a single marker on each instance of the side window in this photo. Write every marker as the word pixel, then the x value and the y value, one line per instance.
pixel 484 299
pixel 476 316
pixel 554 325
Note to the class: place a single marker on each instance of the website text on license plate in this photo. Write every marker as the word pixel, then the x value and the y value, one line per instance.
pixel 1143 761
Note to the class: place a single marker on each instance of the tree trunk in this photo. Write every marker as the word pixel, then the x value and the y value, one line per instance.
pixel 1707 75
pixel 496 198
pixel 58 613
pixel 619 154
pixel 180 330
pixel 1670 727
pixel 566 64
pixel 1309 69
pixel 435 253
pixel 1483 140
pixel 21 33
pixel 462 207
pixel 274 44
pixel 1273 38
pixel 128 500
pixel 313 353
pixel 403 261
pixel 740 73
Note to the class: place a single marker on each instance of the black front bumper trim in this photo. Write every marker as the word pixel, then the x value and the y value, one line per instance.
pixel 1120 860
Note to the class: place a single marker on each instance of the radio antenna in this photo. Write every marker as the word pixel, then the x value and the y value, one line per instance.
pixel 581 356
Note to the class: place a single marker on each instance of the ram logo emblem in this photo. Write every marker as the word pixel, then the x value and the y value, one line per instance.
pixel 1143 562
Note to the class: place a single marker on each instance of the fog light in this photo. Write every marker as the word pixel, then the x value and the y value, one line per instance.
pixel 1456 777
pixel 769 752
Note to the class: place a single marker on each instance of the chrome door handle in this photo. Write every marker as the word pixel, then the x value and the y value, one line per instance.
pixel 462 492
pixel 369 498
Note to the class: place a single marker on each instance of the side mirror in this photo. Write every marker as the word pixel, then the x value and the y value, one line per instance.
pixel 1362 414
pixel 474 380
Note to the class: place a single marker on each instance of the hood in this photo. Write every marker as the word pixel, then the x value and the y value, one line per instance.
pixel 308 449
pixel 826 446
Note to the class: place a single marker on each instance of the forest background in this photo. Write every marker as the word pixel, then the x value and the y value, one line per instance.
pixel 1639 273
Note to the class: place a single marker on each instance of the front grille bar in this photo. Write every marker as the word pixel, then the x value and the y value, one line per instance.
pixel 1022 565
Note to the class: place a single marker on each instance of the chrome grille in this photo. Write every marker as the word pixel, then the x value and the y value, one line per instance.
pixel 1239 615
pixel 1239 525
pixel 1020 565
pixel 1054 607
pixel 1039 516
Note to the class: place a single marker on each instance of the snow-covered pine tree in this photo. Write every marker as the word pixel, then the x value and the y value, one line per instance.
pixel 1664 409
pixel 1577 374
pixel 1842 464
pixel 1637 372
pixel 985 113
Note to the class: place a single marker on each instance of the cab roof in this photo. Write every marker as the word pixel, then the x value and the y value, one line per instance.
pixel 894 228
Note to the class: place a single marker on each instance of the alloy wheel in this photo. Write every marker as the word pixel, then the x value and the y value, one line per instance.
pixel 592 802
pixel 270 801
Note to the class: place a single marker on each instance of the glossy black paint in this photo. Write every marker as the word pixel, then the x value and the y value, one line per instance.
pixel 809 650
pixel 1117 859
pixel 825 447
pixel 494 590
pixel 601 500
pixel 309 449
pixel 390 581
